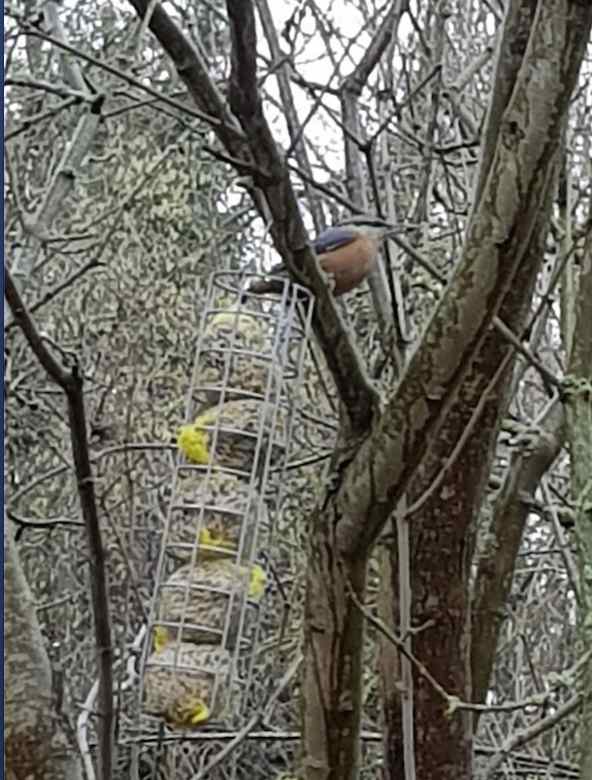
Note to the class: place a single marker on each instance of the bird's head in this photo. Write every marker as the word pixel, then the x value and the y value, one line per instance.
pixel 369 226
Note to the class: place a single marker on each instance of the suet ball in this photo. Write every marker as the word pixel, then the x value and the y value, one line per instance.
pixel 235 445
pixel 233 354
pixel 188 685
pixel 230 507
pixel 198 600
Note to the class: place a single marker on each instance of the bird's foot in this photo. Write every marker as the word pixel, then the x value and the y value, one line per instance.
pixel 329 280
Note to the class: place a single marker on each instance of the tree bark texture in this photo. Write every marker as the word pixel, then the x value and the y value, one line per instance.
pixel 390 662
pixel 579 419
pixel 412 442
pixel 332 673
pixel 411 438
pixel 442 530
pixel 496 566
pixel 35 745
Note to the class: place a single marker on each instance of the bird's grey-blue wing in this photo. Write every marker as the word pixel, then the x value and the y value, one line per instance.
pixel 279 269
pixel 333 238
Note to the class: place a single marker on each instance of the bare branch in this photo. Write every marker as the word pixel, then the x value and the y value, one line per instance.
pixel 71 384
pixel 496 567
pixel 494 251
pixel 453 703
pixel 523 736
pixel 290 113
pixel 25 323
pixel 350 91
pixel 194 72
pixel 287 229
pixel 182 107
pixel 272 192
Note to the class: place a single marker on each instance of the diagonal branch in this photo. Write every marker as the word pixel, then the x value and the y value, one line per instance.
pixel 295 128
pixel 528 733
pixel 497 246
pixel 349 93
pixel 356 81
pixel 272 191
pixel 24 321
pixel 30 30
pixel 496 567
pixel 287 229
pixel 71 384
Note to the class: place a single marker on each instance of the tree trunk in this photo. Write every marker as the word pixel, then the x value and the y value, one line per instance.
pixel 443 527
pixel 35 744
pixel 579 419
pixel 333 640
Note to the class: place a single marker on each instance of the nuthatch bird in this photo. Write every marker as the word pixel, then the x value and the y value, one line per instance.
pixel 347 253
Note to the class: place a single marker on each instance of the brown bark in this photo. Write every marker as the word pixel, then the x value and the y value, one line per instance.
pixel 442 544
pixel 332 670
pixel 390 662
pixel 382 451
pixel 442 530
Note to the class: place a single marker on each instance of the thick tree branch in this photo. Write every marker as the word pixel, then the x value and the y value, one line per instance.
pixel 35 744
pixel 512 43
pixel 272 193
pixel 459 354
pixel 287 229
pixel 443 532
pixel 496 567
pixel 497 245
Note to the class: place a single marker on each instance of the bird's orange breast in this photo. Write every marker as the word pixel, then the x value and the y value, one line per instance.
pixel 349 265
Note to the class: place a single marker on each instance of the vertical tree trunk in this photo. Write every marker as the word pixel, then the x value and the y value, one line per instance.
pixel 35 745
pixel 334 637
pixel 443 526
pixel 389 661
pixel 579 419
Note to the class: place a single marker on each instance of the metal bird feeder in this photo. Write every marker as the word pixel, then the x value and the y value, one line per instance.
pixel 241 405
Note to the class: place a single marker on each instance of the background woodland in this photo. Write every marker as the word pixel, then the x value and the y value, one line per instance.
pixel 429 614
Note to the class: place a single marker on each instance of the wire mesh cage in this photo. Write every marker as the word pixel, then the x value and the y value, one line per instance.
pixel 209 608
pixel 231 511
pixel 237 686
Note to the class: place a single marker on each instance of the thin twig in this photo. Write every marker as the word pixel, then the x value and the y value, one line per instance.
pixel 453 703
pixel 71 385
pixel 522 736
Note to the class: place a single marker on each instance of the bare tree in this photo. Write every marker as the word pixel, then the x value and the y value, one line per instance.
pixel 414 445
pixel 434 512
